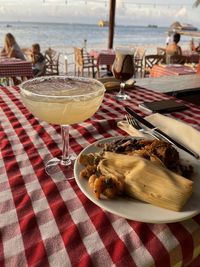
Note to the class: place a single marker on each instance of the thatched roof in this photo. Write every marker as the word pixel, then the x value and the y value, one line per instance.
pixel 190 33
pixel 175 25
pixel 184 29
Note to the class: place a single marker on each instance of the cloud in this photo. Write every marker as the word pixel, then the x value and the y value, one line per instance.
pixel 182 12
pixel 78 11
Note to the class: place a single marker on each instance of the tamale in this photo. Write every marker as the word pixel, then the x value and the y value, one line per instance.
pixel 147 181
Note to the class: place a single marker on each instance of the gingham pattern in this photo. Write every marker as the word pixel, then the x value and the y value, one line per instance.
pixel 13 68
pixel 164 70
pixel 103 57
pixel 46 222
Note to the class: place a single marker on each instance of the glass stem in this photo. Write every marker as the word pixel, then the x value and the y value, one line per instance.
pixel 122 85
pixel 65 142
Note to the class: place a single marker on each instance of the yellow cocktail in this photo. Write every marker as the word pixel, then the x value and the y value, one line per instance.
pixel 62 100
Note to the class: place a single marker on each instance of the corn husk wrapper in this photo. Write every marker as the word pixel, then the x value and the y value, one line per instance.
pixel 147 181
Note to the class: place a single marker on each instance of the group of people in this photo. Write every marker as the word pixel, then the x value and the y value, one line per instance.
pixel 12 49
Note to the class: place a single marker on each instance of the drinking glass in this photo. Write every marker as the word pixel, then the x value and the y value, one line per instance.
pixel 123 69
pixel 62 100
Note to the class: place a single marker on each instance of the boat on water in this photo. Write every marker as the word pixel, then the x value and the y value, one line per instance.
pixel 103 23
pixel 152 26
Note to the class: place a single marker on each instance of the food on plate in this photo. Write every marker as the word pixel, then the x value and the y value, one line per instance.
pixel 109 187
pixel 143 169
pixel 146 181
pixel 158 151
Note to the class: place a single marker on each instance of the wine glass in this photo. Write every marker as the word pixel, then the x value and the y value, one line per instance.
pixel 62 100
pixel 123 69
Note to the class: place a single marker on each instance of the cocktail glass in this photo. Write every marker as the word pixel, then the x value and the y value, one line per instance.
pixel 62 100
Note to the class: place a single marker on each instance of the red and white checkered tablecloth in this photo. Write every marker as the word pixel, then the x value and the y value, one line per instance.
pixel 46 222
pixel 14 68
pixel 166 70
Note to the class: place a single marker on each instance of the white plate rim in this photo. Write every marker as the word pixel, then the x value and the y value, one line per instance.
pixel 165 216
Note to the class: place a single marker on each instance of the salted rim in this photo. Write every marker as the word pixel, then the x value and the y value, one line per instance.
pixel 94 81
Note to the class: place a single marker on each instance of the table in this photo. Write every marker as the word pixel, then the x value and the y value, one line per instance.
pixel 48 222
pixel 166 70
pixel 15 68
pixel 103 57
pixel 171 84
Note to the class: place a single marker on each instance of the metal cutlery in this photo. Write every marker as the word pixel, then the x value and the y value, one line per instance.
pixel 159 133
pixel 135 124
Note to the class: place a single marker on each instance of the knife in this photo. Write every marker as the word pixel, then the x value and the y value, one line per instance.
pixel 160 133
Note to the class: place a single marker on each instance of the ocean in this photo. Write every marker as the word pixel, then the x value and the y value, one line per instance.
pixel 64 36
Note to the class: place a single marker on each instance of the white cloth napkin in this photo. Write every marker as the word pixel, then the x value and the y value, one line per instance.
pixel 179 131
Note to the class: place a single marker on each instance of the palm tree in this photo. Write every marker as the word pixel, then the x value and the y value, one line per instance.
pixel 196 3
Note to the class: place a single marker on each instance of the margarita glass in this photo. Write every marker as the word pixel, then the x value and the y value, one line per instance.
pixel 62 100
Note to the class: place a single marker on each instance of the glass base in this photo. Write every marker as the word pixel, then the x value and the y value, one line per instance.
pixel 57 166
pixel 122 97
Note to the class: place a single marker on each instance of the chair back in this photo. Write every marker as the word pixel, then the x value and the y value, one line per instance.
pixel 51 62
pixel 139 60
pixel 82 61
pixel 177 59
pixel 79 56
pixel 139 53
pixel 161 51
pixel 151 60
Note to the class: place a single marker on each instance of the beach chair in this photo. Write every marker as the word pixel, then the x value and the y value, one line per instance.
pixel 51 62
pixel 150 61
pixel 82 61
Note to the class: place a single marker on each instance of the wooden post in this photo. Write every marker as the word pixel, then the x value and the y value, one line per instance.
pixel 111 23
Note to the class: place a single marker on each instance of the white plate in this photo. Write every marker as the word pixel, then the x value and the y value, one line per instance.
pixel 137 210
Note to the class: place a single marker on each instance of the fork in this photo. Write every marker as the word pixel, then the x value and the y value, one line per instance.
pixel 135 124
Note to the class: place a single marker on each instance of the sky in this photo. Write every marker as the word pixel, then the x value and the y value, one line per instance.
pixel 128 12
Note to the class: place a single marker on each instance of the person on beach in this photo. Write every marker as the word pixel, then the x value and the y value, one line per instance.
pixel 11 47
pixel 38 60
pixel 173 48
